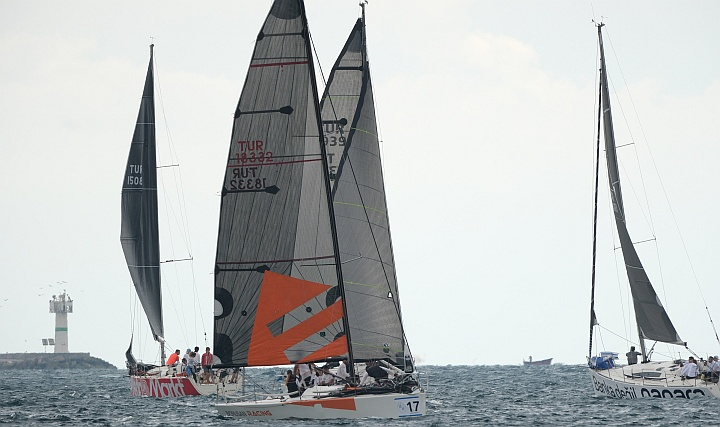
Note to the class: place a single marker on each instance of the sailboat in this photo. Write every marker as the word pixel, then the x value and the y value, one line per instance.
pixel 659 379
pixel 139 237
pixel 304 267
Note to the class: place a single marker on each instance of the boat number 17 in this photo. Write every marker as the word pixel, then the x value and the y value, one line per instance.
pixel 408 407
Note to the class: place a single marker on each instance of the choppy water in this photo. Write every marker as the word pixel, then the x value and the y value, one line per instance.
pixel 458 396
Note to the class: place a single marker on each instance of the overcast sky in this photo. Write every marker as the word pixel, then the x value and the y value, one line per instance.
pixel 487 115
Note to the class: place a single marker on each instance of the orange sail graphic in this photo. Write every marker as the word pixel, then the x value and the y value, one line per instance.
pixel 279 295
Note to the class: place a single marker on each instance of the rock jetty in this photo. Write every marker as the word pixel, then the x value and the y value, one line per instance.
pixel 52 361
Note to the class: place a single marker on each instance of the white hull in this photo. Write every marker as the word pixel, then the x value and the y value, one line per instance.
pixel 662 381
pixel 543 362
pixel 308 406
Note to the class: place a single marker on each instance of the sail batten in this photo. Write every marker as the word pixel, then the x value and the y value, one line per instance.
pixel 139 233
pixel 652 320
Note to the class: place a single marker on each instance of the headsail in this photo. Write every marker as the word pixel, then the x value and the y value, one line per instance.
pixel 652 319
pixel 276 277
pixel 358 190
pixel 139 229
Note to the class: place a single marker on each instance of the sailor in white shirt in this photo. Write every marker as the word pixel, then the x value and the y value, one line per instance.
pixel 689 370
pixel 342 370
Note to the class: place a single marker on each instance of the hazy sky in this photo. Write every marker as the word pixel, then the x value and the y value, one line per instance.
pixel 487 115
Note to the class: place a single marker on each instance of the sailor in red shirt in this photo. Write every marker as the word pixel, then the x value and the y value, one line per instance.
pixel 174 358
pixel 206 360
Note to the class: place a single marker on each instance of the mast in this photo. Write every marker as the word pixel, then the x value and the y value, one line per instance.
pixel 593 318
pixel 328 192
pixel 160 339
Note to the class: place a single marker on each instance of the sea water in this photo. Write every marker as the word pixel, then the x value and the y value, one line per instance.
pixel 457 396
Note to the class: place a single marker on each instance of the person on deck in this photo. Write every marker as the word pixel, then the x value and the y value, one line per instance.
pixel 374 371
pixel 342 370
pixel 174 358
pixel 291 384
pixel 632 356
pixel 206 361
pixel 183 364
pixel 303 373
pixel 325 377
pixel 190 368
pixel 689 370
pixel 714 368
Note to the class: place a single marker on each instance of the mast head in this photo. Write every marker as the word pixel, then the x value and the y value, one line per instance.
pixel 362 7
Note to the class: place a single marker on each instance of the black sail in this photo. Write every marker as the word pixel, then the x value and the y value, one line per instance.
pixel 139 228
pixel 358 190
pixel 651 317
pixel 276 275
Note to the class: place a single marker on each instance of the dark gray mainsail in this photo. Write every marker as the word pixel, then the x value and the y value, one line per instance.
pixel 277 299
pixel 139 227
pixel 652 320
pixel 358 190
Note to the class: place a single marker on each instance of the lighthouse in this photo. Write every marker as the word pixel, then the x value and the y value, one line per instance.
pixel 61 305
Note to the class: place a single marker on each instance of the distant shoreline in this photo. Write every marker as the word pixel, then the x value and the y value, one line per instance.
pixel 52 361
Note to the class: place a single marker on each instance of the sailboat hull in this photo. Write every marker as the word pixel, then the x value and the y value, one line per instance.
pixel 650 380
pixel 166 386
pixel 543 362
pixel 390 405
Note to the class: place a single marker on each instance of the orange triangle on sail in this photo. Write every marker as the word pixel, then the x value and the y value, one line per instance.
pixel 279 295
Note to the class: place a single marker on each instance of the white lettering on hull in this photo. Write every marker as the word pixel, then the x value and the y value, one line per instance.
pixel 158 387
pixel 631 391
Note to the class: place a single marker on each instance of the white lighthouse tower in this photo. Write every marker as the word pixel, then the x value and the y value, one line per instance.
pixel 61 305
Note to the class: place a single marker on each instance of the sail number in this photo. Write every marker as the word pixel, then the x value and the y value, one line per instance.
pixel 247 184
pixel 253 152
pixel 334 140
pixel 251 156
pixel 260 157
pixel 408 406
pixel 134 175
